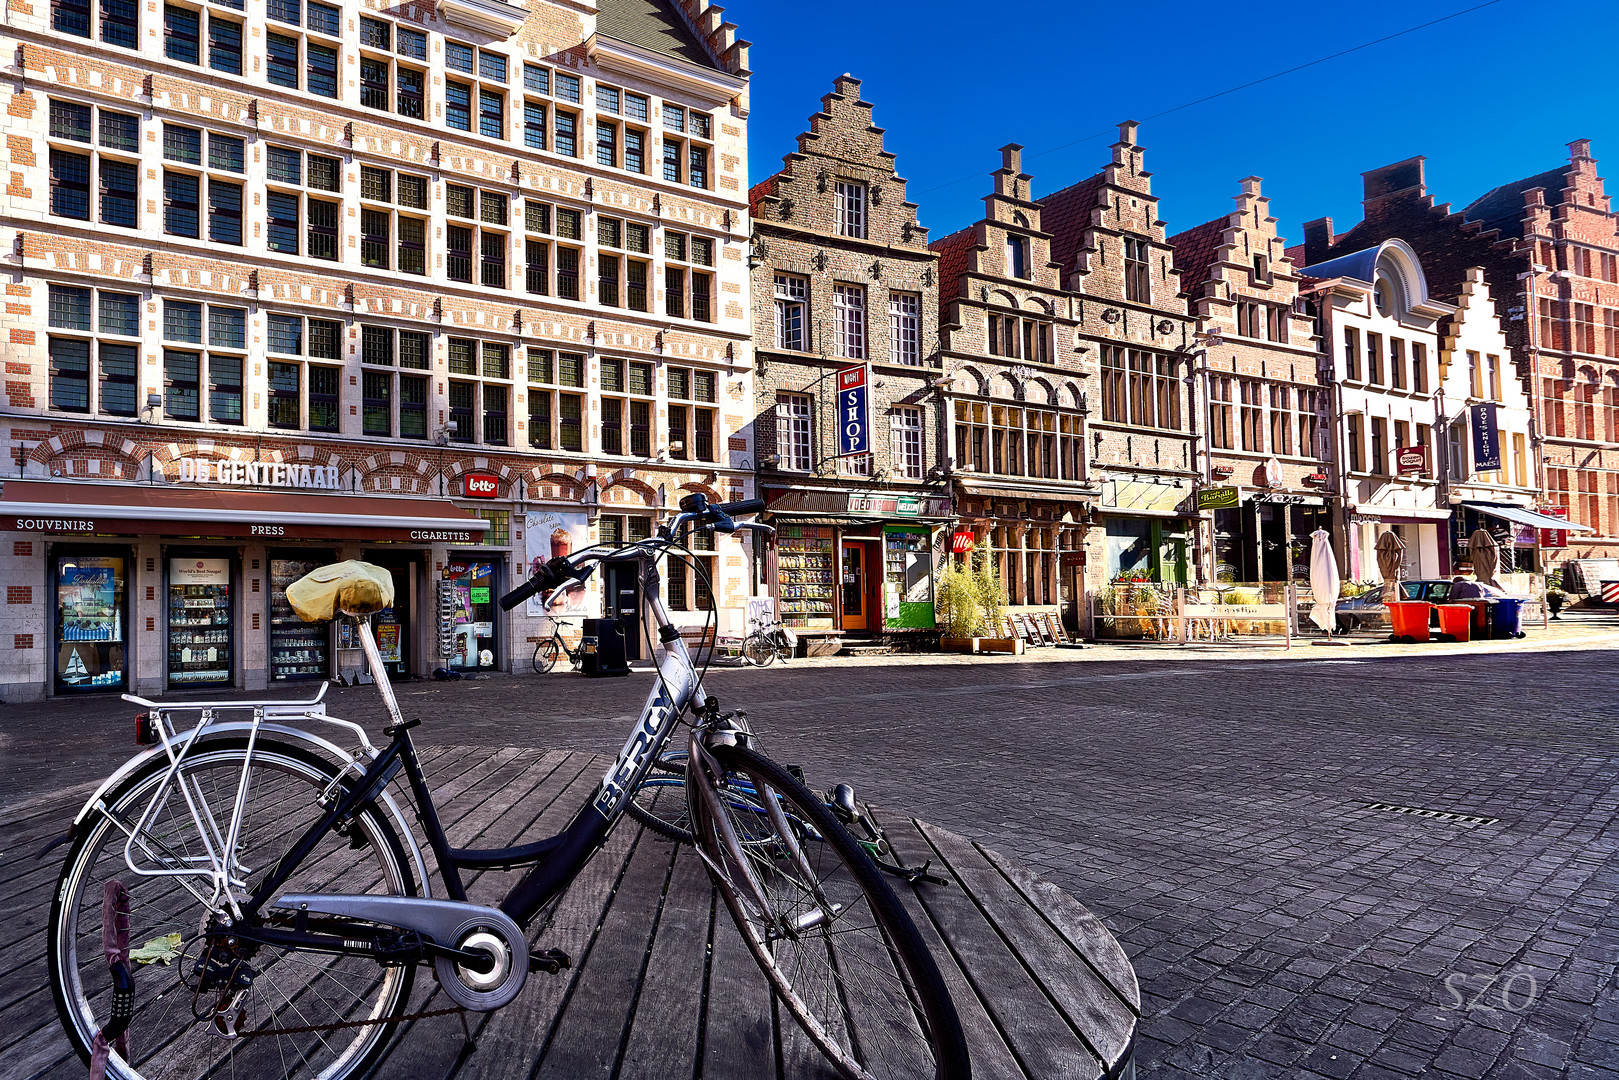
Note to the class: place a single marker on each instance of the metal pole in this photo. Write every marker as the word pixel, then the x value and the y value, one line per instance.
pixel 374 658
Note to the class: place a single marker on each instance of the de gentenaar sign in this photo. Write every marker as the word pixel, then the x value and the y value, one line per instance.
pixel 279 474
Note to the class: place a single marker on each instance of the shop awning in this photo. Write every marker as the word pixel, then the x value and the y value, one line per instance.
pixel 1146 498
pixel 88 509
pixel 859 504
pixel 1005 490
pixel 1524 516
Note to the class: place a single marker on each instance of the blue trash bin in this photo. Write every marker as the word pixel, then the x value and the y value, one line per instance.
pixel 1506 617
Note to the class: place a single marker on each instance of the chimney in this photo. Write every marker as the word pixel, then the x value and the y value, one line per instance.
pixel 1393 179
pixel 1012 159
pixel 1127 132
pixel 1579 150
pixel 1250 186
pixel 1317 240
pixel 846 85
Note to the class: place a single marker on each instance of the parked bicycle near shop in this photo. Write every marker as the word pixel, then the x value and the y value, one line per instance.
pixel 277 871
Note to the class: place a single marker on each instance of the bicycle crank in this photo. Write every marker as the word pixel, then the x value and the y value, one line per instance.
pixel 480 954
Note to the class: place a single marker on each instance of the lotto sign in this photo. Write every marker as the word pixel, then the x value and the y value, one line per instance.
pixel 854 412
pixel 481 485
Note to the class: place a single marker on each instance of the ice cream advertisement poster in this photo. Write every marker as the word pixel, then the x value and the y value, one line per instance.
pixel 549 534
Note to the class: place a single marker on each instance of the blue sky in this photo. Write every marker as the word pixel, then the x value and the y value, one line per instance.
pixel 950 88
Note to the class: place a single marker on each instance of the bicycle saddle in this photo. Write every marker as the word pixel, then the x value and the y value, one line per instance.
pixel 351 587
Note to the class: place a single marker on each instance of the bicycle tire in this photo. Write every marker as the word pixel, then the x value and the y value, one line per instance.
pixel 169 1040
pixel 860 983
pixel 659 801
pixel 759 650
pixel 545 656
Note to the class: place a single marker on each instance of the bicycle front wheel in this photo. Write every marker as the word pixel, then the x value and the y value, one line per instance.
pixel 759 650
pixel 835 943
pixel 545 656
pixel 173 1034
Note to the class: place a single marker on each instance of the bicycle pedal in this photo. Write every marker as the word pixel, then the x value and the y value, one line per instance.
pixel 552 961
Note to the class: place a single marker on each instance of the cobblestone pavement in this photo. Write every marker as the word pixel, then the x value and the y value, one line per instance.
pixel 1217 813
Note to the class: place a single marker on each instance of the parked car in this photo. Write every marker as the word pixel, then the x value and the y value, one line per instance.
pixel 1368 610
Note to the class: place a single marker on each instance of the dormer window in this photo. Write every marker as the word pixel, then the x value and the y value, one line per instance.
pixel 1383 296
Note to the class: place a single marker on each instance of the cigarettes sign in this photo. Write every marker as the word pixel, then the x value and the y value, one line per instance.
pixel 854 412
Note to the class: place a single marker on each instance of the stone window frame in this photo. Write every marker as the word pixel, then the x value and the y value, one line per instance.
pixel 791 303
pixel 795 414
pixel 96 376
pixel 383 356
pixel 851 203
pixel 98 149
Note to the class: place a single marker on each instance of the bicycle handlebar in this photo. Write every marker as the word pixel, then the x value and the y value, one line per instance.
pixel 578 566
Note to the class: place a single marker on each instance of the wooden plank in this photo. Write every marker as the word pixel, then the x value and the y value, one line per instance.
pixel 1040 1037
pixel 1097 1014
pixel 992 1059
pixel 663 1032
pixel 591 1030
pixel 738 1040
pixel 1084 931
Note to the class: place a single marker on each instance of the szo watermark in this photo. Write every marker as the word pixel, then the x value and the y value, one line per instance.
pixel 1510 992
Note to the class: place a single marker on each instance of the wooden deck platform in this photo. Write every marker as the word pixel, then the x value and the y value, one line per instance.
pixel 662 985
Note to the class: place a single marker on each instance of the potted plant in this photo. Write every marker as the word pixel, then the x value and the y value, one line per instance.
pixel 1556 598
pixel 969 603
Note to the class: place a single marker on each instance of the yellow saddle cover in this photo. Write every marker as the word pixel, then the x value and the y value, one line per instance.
pixel 353 586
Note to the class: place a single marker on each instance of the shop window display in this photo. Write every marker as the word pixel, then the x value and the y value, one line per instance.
pixel 472 614
pixel 907 578
pixel 805 562
pixel 298 650
pixel 90 623
pixel 200 631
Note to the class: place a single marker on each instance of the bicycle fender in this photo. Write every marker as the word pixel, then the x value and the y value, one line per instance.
pixel 242 727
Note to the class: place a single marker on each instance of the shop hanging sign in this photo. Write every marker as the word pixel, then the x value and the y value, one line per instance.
pixel 961 542
pixel 1486 437
pixel 255 474
pixel 1554 538
pixel 1219 498
pixel 480 485
pixel 854 412
pixel 1411 460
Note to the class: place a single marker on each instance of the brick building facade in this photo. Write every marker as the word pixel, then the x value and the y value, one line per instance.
pixel 1132 328
pixel 1549 248
pixel 1016 394
pixel 301 281
pixel 1263 408
pixel 844 282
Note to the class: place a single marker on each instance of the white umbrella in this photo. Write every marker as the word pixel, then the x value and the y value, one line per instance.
pixel 1323 581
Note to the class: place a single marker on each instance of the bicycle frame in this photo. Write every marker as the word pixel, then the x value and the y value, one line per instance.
pixel 557 859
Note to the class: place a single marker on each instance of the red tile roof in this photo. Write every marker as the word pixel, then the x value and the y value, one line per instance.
pixel 1066 214
pixel 1195 250
pixel 952 251
pixel 759 192
pixel 1295 255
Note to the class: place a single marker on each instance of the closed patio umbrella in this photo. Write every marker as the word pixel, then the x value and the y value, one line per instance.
pixel 1323 581
pixel 1390 563
pixel 1486 557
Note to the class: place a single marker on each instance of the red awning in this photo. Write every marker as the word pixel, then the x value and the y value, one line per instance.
pixel 68 508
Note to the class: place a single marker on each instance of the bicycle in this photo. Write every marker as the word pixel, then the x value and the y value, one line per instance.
pixel 546 649
pixel 278 872
pixel 766 641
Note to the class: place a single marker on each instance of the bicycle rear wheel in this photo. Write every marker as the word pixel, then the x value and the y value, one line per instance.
pixel 172 1034
pixel 758 650
pixel 835 943
pixel 545 656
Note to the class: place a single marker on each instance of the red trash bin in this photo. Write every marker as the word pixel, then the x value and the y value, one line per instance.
pixel 1455 620
pixel 1410 619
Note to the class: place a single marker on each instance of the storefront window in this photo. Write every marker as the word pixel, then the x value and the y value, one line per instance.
pixel 298 650
pixel 1129 548
pixel 805 563
pixel 199 622
pixel 471 614
pixel 907 577
pixel 90 598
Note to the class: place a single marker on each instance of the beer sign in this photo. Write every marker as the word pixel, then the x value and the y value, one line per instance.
pixel 854 412
pixel 1411 460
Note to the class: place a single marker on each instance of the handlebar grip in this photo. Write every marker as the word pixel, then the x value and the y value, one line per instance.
pixel 548 576
pixel 745 506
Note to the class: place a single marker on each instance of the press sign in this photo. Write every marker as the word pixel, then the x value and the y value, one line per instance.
pixel 854 412
pixel 481 485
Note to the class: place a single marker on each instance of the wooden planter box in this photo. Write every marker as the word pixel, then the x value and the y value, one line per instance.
pixel 998 645
pixel 958 644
